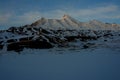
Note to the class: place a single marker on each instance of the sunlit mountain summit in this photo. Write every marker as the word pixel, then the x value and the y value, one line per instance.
pixel 67 22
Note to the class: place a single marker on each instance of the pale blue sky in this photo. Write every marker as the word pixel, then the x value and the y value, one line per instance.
pixel 20 12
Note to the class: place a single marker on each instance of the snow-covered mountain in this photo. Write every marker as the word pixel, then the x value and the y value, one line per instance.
pixel 70 23
pixel 49 33
pixel 66 22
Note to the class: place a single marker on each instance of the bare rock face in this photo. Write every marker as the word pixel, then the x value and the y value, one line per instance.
pixel 18 46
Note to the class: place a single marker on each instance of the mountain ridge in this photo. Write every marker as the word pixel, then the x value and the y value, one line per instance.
pixel 67 22
pixel 49 33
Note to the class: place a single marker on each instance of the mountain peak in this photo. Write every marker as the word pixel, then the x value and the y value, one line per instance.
pixel 66 16
pixel 94 21
pixel 40 21
pixel 43 18
pixel 67 22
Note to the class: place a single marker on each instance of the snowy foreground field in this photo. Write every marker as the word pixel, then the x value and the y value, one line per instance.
pixel 95 63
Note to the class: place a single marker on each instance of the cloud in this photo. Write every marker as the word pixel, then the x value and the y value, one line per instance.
pixel 100 12
pixel 4 18
pixel 28 17
pixel 97 12
pixel 19 20
pixel 104 11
